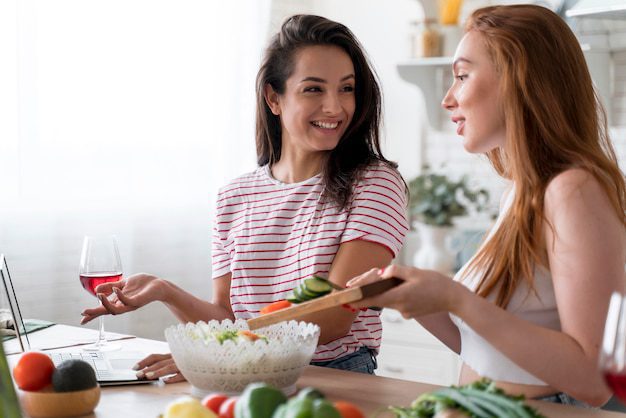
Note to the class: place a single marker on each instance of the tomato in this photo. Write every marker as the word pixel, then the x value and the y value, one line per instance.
pixel 214 401
pixel 33 371
pixel 227 409
pixel 348 410
pixel 276 306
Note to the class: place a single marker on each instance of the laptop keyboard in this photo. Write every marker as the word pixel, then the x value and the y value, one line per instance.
pixel 94 359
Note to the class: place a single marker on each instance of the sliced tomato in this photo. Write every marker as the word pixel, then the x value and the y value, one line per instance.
pixel 348 410
pixel 276 306
pixel 214 401
pixel 227 409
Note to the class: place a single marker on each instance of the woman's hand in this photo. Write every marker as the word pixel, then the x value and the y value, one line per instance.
pixel 423 292
pixel 158 365
pixel 129 294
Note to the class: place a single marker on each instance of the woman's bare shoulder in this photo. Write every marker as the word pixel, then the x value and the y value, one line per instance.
pixel 573 188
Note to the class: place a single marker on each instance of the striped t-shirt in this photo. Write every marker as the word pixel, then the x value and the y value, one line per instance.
pixel 270 235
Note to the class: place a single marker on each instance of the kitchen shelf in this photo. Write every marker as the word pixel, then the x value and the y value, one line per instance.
pixel 607 9
pixel 429 74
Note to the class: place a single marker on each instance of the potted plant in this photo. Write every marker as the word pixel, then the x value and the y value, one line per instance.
pixel 435 200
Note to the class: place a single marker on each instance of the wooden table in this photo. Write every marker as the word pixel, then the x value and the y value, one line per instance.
pixel 371 393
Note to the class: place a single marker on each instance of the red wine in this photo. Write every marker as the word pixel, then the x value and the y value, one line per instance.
pixel 617 382
pixel 91 280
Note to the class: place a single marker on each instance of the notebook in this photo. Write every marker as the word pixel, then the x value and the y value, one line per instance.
pixel 112 368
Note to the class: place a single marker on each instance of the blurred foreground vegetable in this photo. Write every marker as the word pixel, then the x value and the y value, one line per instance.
pixel 480 399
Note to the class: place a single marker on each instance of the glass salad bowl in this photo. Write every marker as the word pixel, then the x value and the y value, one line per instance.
pixel 225 356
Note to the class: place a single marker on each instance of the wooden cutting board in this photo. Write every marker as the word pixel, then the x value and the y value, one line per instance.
pixel 331 300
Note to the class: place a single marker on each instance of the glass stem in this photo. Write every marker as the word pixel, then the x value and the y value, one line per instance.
pixel 101 336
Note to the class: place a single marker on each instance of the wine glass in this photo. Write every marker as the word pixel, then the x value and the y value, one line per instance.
pixel 613 351
pixel 100 263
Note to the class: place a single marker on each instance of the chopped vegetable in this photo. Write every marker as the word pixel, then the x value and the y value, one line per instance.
pixel 259 400
pixel 480 399
pixel 235 336
pixel 276 306
pixel 310 288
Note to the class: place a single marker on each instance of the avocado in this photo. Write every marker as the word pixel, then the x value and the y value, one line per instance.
pixel 72 375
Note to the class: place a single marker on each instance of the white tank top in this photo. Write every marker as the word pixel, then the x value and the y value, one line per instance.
pixel 538 308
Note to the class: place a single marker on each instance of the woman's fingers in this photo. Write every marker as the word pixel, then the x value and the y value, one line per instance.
pixel 388 299
pixel 92 313
pixel 158 365
pixel 122 297
pixel 150 360
pixel 401 272
pixel 114 308
pixel 107 288
pixel 175 378
pixel 164 368
pixel 365 278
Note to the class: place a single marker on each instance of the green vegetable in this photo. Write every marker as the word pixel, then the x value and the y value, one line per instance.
pixel 310 288
pixel 280 411
pixel 9 406
pixel 259 400
pixel 324 409
pixel 317 285
pixel 299 408
pixel 306 405
pixel 225 336
pixel 310 392
pixel 480 399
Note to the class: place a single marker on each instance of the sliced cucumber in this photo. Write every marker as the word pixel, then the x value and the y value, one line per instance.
pixel 317 286
pixel 293 299
pixel 306 292
pixel 297 292
pixel 308 289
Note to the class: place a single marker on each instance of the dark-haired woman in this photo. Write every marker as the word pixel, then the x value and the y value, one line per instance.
pixel 324 201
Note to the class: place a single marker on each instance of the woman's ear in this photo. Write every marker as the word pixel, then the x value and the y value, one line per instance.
pixel 271 98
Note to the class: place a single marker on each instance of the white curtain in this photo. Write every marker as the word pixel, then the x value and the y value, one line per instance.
pixel 121 117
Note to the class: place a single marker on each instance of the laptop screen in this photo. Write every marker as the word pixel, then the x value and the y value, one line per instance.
pixel 8 302
pixel 9 405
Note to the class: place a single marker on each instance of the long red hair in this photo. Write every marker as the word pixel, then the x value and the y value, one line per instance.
pixel 554 121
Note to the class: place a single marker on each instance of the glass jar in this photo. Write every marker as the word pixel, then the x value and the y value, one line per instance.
pixel 426 39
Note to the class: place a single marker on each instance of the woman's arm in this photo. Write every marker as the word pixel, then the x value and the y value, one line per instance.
pixel 189 308
pixel 141 289
pixel 353 258
pixel 586 257
pixel 441 326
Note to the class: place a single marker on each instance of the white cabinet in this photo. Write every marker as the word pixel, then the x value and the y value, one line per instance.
pixel 410 352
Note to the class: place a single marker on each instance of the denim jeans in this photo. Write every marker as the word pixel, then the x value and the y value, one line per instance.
pixel 361 361
pixel 565 399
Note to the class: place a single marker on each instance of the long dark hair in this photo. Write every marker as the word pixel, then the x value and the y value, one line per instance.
pixel 554 122
pixel 360 145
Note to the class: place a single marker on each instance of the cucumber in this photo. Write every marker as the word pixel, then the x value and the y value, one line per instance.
pixel 317 286
pixel 293 299
pixel 297 293
pixel 308 289
pixel 306 292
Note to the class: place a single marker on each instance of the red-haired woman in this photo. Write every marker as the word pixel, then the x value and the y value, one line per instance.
pixel 528 310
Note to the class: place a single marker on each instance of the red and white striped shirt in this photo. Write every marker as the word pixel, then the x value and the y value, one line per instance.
pixel 270 235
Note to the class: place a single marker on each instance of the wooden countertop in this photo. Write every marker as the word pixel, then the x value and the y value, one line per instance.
pixel 371 393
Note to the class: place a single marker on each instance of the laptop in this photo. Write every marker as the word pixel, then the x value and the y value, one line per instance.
pixel 111 368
